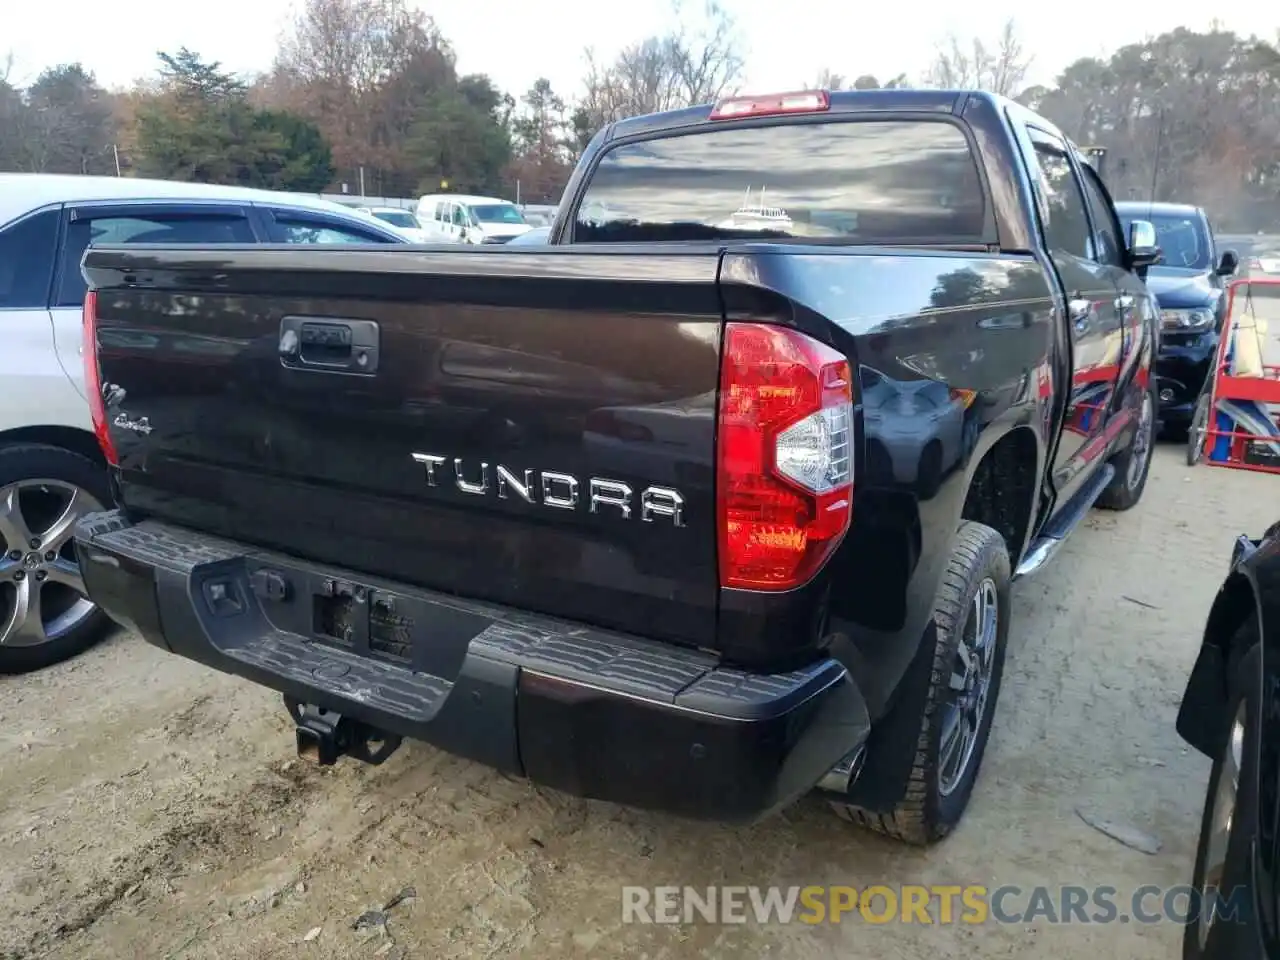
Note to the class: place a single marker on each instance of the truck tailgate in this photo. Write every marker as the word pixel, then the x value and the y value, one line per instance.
pixel 530 427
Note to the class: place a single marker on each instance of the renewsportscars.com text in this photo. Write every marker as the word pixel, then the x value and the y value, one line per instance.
pixel 930 904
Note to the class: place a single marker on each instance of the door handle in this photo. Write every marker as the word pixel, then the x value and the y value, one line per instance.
pixel 1080 312
pixel 329 344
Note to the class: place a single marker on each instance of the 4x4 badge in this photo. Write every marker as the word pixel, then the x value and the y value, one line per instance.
pixel 142 425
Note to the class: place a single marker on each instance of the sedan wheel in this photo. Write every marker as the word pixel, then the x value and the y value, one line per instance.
pixel 42 595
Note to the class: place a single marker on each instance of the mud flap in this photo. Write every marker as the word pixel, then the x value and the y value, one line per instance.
pixel 894 740
pixel 1203 701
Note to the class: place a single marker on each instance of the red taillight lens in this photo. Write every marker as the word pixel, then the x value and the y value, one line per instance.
pixel 785 483
pixel 805 101
pixel 93 379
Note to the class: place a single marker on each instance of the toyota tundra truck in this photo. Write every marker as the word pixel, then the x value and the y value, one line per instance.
pixel 711 501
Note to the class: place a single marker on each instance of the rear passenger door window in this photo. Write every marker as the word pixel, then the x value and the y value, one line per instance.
pixel 288 227
pixel 301 232
pixel 1067 229
pixel 167 224
pixel 28 251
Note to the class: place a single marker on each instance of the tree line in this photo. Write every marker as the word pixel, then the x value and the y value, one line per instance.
pixel 367 95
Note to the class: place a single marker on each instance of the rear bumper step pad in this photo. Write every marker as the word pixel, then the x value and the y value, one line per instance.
pixel 592 712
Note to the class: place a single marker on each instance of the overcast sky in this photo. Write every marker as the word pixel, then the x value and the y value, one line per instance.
pixel 786 42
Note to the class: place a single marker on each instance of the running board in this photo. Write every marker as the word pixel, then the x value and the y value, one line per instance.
pixel 1061 526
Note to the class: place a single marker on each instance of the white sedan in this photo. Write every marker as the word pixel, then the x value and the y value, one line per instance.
pixel 51 469
pixel 401 221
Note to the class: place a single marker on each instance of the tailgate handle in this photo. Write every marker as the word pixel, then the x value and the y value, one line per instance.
pixel 329 344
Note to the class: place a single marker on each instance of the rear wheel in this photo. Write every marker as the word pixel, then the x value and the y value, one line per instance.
pixel 1134 464
pixel 972 619
pixel 45 615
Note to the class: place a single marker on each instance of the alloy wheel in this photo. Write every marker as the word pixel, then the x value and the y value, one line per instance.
pixel 1141 450
pixel 42 594
pixel 969 687
pixel 1225 791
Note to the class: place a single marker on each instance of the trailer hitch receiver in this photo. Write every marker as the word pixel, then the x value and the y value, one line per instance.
pixel 325 735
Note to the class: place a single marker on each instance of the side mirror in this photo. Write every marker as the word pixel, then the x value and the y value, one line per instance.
pixel 1143 249
pixel 1229 263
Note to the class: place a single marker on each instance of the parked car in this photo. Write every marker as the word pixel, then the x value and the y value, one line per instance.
pixel 534 236
pixel 1230 712
pixel 606 519
pixel 1264 261
pixel 538 215
pixel 1190 285
pixel 457 218
pixel 402 221
pixel 51 466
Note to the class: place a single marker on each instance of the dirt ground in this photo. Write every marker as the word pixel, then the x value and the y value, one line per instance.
pixel 150 807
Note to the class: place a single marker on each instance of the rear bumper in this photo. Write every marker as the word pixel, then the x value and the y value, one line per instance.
pixel 591 712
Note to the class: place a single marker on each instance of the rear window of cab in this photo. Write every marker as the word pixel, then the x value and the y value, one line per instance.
pixel 857 181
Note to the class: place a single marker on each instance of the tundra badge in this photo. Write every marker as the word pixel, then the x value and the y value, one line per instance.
pixel 549 488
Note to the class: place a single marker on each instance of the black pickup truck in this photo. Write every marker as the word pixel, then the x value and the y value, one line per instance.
pixel 714 499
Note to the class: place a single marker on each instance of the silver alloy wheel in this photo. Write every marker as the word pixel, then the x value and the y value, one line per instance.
pixel 42 595
pixel 970 687
pixel 1225 791
pixel 1141 442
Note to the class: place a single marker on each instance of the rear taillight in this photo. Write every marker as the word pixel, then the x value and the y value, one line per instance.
pixel 93 379
pixel 785 480
pixel 805 101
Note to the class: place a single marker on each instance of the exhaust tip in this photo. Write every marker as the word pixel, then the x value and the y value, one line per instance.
pixel 844 774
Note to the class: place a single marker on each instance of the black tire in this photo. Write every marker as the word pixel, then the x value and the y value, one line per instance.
pixel 1234 937
pixel 1196 432
pixel 925 812
pixel 23 462
pixel 1126 487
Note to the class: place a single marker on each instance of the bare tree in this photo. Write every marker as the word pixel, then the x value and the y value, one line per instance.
pixel 829 80
pixel 691 64
pixel 339 63
pixel 64 124
pixel 1001 68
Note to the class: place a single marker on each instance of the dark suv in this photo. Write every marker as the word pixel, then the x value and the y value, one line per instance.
pixel 1190 285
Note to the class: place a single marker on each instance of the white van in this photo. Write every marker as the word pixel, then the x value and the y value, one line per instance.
pixel 458 218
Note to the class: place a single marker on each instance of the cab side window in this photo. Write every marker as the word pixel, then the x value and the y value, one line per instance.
pixel 1068 227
